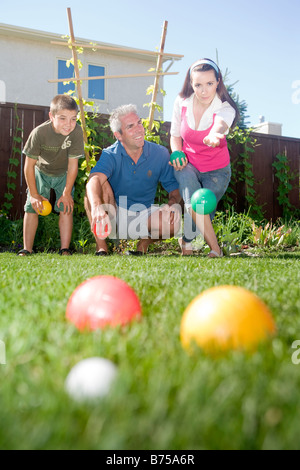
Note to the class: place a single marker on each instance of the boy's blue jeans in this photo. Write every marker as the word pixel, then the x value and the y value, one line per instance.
pixel 190 180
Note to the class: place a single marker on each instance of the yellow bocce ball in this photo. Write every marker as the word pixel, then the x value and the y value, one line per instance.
pixel 47 209
pixel 224 318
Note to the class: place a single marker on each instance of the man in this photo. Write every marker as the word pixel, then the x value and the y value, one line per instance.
pixel 122 187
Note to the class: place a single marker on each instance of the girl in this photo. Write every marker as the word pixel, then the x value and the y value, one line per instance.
pixel 203 113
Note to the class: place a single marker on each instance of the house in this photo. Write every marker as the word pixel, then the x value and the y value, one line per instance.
pixel 266 127
pixel 28 59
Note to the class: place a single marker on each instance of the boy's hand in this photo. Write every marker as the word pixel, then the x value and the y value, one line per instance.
pixel 68 203
pixel 37 202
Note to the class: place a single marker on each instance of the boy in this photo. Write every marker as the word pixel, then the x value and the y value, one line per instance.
pixel 52 152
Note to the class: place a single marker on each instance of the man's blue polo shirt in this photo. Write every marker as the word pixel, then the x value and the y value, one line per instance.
pixel 138 181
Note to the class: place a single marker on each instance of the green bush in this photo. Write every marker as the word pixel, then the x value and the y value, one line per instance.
pixel 231 226
pixel 234 232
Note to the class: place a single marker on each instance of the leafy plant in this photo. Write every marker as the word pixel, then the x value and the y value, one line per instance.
pixel 47 235
pixel 285 178
pixel 242 171
pixel 11 232
pixel 99 137
pixel 153 134
pixel 156 134
pixel 238 230
pixel 82 236
pixel 270 235
pixel 293 237
pixel 233 230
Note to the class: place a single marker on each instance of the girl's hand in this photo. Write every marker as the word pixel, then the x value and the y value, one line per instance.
pixel 177 166
pixel 213 139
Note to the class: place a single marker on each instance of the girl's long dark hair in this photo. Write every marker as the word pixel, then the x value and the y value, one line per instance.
pixel 223 94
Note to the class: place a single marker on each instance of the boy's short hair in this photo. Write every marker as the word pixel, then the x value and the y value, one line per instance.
pixel 60 102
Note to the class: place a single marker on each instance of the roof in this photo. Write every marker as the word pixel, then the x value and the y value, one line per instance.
pixel 45 36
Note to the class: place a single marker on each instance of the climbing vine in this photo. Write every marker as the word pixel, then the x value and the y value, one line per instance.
pixel 285 178
pixel 157 135
pixel 14 162
pixel 242 171
pixel 99 136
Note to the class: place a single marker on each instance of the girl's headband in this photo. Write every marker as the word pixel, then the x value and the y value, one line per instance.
pixel 205 61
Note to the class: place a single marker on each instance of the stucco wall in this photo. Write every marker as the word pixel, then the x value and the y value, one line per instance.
pixel 27 63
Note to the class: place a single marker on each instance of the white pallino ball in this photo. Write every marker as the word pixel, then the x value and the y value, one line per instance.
pixel 90 379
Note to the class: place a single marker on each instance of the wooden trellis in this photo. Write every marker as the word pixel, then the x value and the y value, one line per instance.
pixel 77 79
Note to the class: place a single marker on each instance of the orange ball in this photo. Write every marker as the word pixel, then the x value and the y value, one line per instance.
pixel 224 318
pixel 47 208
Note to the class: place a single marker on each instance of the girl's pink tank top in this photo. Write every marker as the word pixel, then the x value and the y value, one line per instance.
pixel 203 158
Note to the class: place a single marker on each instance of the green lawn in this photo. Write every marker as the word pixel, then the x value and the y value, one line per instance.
pixel 162 398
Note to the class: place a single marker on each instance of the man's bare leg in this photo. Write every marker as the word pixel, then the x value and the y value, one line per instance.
pixel 160 227
pixel 143 244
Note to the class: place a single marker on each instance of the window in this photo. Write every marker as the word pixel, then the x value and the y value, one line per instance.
pixel 96 87
pixel 65 72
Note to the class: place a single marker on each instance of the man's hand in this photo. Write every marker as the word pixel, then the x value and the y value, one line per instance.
pixel 174 214
pixel 171 218
pixel 102 221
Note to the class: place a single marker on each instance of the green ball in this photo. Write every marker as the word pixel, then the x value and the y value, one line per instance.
pixel 178 154
pixel 204 201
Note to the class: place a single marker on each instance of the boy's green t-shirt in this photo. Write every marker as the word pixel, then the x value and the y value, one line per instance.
pixel 52 150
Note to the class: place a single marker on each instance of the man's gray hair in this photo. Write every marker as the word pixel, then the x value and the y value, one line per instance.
pixel 116 114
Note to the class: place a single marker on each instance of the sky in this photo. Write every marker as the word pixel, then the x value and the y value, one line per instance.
pixel 257 42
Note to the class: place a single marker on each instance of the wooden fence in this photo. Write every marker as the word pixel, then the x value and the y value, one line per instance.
pixel 28 118
pixel 266 149
pixel 266 184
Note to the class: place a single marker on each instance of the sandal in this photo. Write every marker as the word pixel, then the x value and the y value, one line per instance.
pixel 215 254
pixel 101 253
pixel 65 252
pixel 24 253
pixel 135 253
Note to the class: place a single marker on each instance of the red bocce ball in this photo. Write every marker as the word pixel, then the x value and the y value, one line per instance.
pixel 102 301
